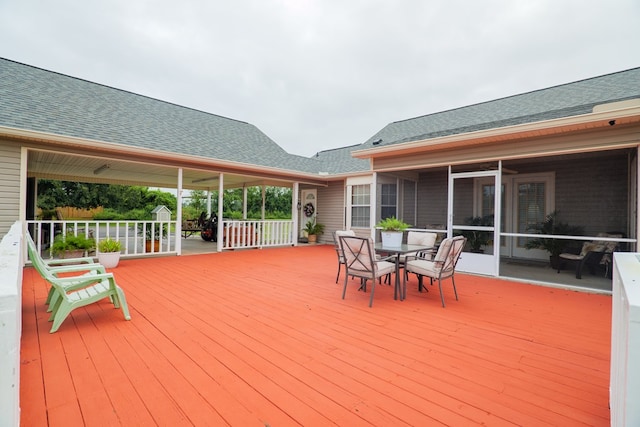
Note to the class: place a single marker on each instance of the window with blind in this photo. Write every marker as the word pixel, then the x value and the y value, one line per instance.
pixel 360 205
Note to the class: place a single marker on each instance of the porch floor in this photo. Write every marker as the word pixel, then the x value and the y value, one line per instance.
pixel 522 270
pixel 262 337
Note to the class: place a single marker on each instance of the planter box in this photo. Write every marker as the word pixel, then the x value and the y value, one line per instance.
pixel 76 253
pixel 149 244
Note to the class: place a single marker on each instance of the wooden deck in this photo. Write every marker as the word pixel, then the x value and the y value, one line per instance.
pixel 262 337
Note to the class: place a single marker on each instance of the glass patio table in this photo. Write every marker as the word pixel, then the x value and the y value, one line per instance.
pixel 397 251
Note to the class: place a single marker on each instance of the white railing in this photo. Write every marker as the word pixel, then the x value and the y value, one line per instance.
pixel 624 385
pixel 11 263
pixel 134 236
pixel 238 234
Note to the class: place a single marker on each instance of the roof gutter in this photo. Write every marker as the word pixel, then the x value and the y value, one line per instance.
pixel 598 119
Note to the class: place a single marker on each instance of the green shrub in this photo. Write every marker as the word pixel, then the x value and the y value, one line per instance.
pixel 71 242
pixel 109 245
pixel 392 224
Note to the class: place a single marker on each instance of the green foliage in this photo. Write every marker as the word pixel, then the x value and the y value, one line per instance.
pixel 478 239
pixel 313 227
pixel 121 202
pixel 109 245
pixel 552 225
pixel 71 242
pixel 197 203
pixel 107 214
pixel 392 224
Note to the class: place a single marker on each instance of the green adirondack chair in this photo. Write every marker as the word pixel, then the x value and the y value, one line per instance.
pixel 68 293
pixel 94 288
pixel 84 265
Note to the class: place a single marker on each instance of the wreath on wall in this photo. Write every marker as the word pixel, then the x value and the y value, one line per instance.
pixel 309 209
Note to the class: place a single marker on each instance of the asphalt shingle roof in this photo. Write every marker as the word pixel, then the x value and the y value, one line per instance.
pixel 565 100
pixel 40 100
pixel 35 99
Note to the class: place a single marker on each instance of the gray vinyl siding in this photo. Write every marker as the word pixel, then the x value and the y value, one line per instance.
pixel 10 188
pixel 331 209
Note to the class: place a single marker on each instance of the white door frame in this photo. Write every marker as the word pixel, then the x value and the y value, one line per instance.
pixel 487 263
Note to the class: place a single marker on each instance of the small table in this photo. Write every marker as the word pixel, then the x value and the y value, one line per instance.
pixel 398 250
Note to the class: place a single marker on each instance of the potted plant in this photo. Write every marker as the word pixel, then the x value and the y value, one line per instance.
pixel 109 252
pixel 153 232
pixel 551 225
pixel 71 246
pixel 478 239
pixel 392 230
pixel 313 229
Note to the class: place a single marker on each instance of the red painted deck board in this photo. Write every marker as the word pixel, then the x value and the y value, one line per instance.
pixel 262 337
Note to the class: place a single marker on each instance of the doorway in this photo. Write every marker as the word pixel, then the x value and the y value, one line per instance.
pixel 478 223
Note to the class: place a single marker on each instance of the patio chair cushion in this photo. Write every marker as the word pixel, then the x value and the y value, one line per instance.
pixel 420 238
pixel 360 261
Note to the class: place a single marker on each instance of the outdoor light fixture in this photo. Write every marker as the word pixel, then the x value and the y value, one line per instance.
pixel 101 169
pixel 211 178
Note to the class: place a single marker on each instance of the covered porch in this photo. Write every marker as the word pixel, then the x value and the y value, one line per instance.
pixel 592 196
pixel 262 337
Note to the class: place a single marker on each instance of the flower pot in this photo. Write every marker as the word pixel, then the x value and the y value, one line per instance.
pixel 109 259
pixel 149 244
pixel 312 238
pixel 392 239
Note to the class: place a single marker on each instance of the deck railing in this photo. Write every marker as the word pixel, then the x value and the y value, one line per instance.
pixel 256 234
pixel 135 235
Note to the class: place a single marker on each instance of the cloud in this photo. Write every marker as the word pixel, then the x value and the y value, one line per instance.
pixel 319 74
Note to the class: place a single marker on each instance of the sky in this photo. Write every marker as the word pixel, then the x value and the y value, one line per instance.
pixel 321 74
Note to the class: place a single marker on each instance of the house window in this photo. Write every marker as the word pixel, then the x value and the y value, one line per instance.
pixel 388 201
pixel 360 205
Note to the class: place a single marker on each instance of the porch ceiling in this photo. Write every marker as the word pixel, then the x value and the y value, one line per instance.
pixel 73 167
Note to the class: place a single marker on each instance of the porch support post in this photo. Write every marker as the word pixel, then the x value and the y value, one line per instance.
pixel 264 195
pixel 244 201
pixel 450 203
pixel 497 217
pixel 220 211
pixel 22 211
pixel 295 211
pixel 178 242
pixel 208 202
